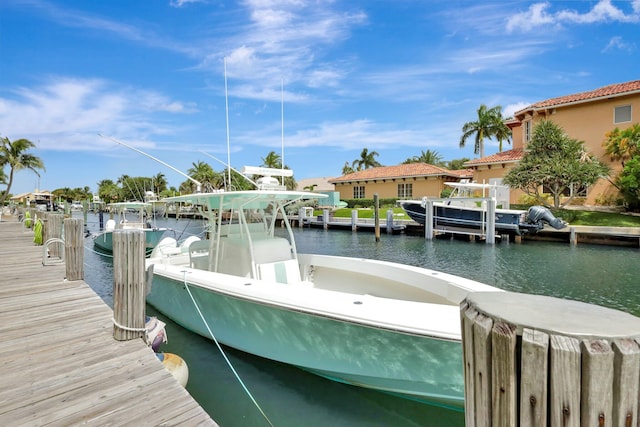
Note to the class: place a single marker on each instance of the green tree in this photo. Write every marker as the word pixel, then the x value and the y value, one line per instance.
pixel 347 169
pixel 489 124
pixel 15 155
pixel 456 164
pixel 108 191
pixel 556 164
pixel 629 183
pixel 367 160
pixel 205 175
pixel 623 144
pixel 429 157
pixel 159 183
pixel 273 160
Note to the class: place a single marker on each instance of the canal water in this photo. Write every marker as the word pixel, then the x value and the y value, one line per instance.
pixel 601 275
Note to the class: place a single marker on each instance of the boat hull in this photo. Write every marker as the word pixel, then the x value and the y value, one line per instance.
pixel 424 368
pixel 104 241
pixel 456 217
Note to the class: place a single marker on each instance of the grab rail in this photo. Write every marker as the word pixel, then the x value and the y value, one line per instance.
pixel 46 259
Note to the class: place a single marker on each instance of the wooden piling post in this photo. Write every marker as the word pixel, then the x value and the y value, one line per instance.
pixel 532 360
pixel 376 216
pixel 491 221
pixel 53 230
pixel 389 221
pixel 428 220
pixel 74 248
pixel 128 284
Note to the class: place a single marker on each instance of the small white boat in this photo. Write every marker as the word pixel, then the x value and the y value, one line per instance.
pixel 370 323
pixel 128 215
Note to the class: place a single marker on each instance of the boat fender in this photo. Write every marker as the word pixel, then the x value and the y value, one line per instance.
pixel 37 230
pixel 155 333
pixel 27 219
pixel 176 366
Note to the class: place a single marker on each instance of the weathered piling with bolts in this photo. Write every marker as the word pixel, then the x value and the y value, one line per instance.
pixel 532 360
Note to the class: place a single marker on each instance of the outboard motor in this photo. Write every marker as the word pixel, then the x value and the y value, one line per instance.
pixel 540 213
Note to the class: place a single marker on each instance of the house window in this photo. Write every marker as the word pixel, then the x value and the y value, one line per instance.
pixel 358 192
pixel 622 114
pixel 527 131
pixel 405 191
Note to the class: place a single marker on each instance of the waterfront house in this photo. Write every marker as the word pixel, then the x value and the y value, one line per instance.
pixel 585 116
pixel 405 181
pixel 33 199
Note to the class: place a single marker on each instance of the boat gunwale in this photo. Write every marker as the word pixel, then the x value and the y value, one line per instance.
pixel 176 273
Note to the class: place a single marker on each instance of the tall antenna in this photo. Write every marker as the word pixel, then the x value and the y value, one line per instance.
pixel 282 126
pixel 226 104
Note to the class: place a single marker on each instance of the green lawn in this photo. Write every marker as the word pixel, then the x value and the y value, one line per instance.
pixel 608 219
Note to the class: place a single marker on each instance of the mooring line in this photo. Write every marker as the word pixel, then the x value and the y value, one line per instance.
pixel 186 285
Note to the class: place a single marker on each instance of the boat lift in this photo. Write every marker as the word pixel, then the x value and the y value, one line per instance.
pixel 489 223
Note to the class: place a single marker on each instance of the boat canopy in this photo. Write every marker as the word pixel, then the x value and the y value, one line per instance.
pixel 250 199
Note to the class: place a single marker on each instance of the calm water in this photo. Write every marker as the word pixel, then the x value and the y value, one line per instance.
pixel 597 274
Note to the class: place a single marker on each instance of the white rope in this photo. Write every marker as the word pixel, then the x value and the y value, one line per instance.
pixel 186 285
pixel 127 328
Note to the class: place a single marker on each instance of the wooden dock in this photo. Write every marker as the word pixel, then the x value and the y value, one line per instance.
pixel 61 365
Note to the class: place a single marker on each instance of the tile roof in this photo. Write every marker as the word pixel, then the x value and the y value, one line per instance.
pixel 400 171
pixel 616 89
pixel 509 156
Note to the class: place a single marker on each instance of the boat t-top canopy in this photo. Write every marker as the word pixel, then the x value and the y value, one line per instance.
pixel 472 185
pixel 249 199
pixel 130 205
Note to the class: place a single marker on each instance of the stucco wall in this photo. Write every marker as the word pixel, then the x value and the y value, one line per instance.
pixel 388 188
pixel 590 122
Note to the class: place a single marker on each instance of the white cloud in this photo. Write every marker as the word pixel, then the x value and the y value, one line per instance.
pixel 617 43
pixel 181 3
pixel 65 113
pixel 509 110
pixel 346 135
pixel 539 14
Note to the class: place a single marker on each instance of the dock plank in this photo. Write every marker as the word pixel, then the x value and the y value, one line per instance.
pixel 62 365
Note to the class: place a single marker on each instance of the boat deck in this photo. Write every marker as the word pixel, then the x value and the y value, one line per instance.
pixel 61 364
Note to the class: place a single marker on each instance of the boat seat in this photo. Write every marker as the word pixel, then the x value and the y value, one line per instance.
pixel 199 254
pixel 286 272
pixel 184 246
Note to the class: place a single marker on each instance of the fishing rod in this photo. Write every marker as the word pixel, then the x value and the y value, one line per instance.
pixel 197 183
pixel 231 168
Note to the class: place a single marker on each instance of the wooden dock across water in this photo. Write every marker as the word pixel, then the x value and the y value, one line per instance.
pixel 61 365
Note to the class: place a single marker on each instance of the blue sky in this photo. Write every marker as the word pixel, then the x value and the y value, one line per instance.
pixel 396 77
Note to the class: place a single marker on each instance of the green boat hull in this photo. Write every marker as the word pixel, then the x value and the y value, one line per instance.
pixel 104 241
pixel 420 367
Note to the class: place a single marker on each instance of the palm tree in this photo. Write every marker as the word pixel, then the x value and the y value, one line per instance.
pixel 489 124
pixel 204 173
pixel 367 160
pixel 429 157
pixel 272 160
pixel 347 169
pixel 159 183
pixel 16 156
